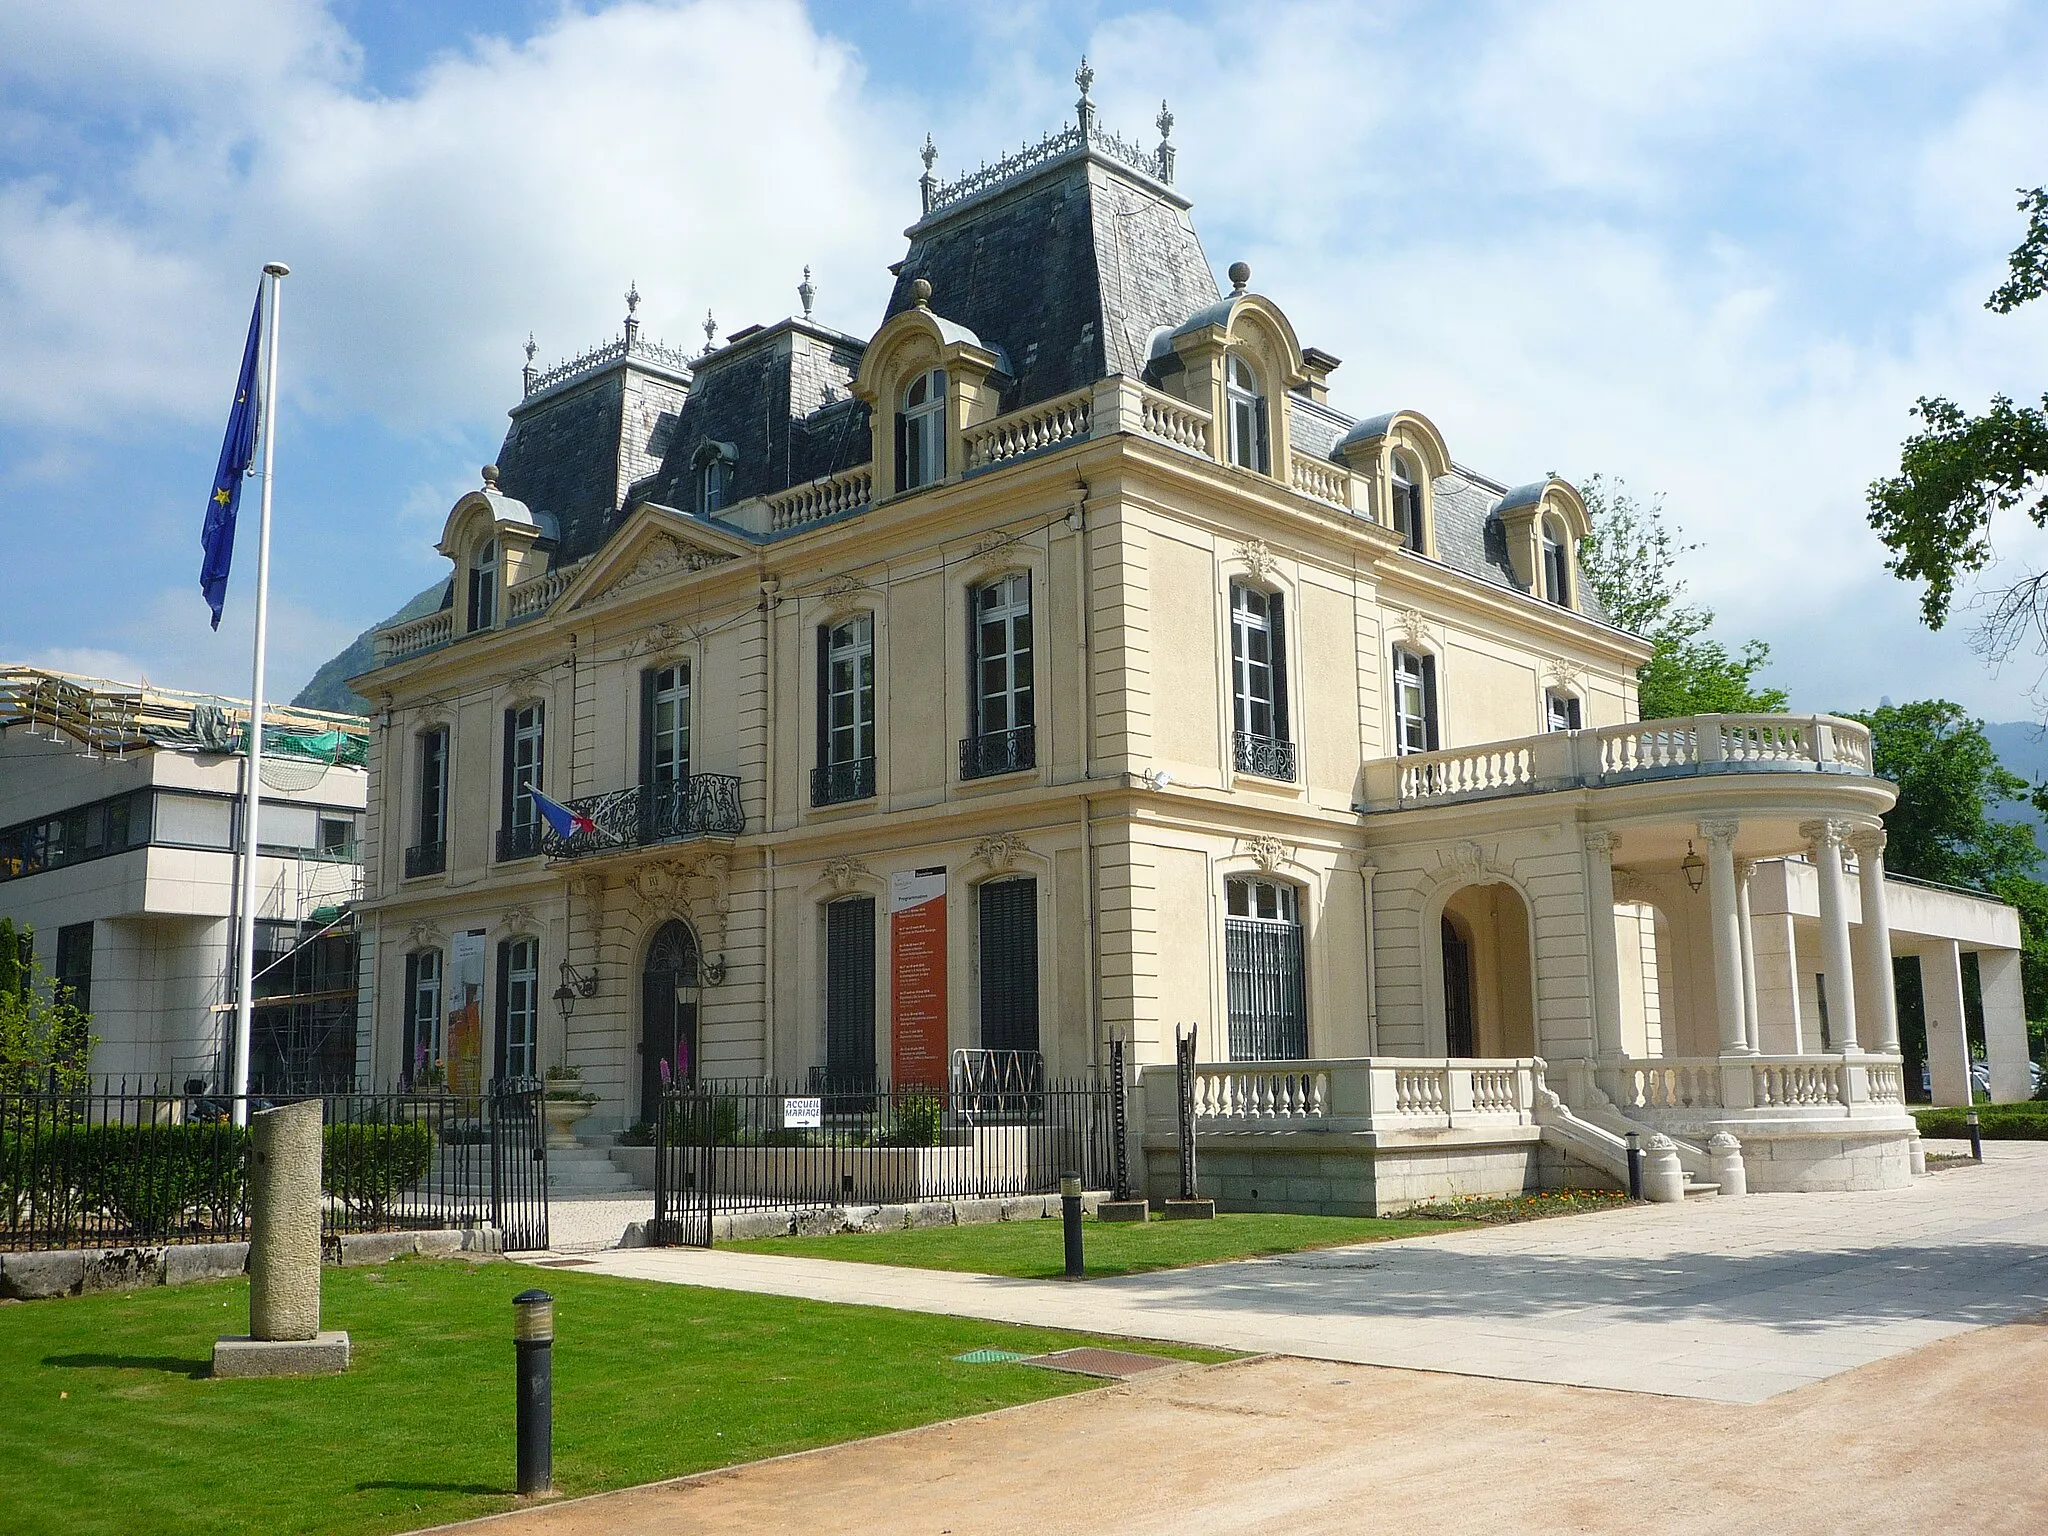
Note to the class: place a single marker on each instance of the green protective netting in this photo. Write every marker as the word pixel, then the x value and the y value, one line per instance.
pixel 321 746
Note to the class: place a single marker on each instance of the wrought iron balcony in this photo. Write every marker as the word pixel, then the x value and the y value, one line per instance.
pixel 519 842
pixel 703 805
pixel 1264 756
pixel 836 783
pixel 982 757
pixel 425 859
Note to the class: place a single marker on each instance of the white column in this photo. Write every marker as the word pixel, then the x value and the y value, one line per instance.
pixel 1874 989
pixel 2005 1025
pixel 1948 1039
pixel 1750 1030
pixel 1606 959
pixel 1725 921
pixel 1824 847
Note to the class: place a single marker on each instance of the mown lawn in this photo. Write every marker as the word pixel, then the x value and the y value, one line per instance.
pixel 108 1422
pixel 2027 1121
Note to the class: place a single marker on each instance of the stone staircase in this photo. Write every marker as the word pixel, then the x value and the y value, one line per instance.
pixel 586 1171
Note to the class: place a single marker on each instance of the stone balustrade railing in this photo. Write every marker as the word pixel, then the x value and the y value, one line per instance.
pixel 1362 1094
pixel 415 636
pixel 1321 479
pixel 820 499
pixel 526 599
pixel 1619 754
pixel 1691 1090
pixel 1125 405
pixel 1063 419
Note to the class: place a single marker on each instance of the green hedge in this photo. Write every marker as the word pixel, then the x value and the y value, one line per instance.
pixel 367 1166
pixel 1995 1122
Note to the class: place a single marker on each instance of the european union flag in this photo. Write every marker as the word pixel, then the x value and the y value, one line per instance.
pixel 218 538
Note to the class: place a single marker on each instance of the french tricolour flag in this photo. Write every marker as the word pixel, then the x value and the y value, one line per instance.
pixel 567 823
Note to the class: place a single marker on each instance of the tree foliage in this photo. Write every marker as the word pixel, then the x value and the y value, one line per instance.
pixel 44 1037
pixel 1960 471
pixel 1631 561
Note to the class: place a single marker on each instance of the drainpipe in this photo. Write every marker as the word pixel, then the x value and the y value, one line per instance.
pixel 769 586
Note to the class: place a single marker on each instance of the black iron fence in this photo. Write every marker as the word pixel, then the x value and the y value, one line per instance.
pixel 757 1143
pixel 998 752
pixel 124 1164
pixel 640 815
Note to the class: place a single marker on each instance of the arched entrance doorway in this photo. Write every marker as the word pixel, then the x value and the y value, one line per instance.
pixel 1489 981
pixel 668 1013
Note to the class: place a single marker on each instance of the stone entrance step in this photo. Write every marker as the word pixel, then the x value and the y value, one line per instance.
pixel 586 1171
pixel 1694 1188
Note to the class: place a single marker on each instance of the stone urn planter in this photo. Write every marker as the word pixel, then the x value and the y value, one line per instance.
pixel 562 1114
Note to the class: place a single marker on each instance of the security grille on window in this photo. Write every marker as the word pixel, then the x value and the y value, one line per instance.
pixel 1407 504
pixel 483 587
pixel 1258 658
pixel 1414 702
pixel 850 992
pixel 520 836
pixel 1557 565
pixel 1246 406
pixel 1263 954
pixel 422 1013
pixel 999 646
pixel 921 432
pixel 1009 965
pixel 664 727
pixel 846 711
pixel 1561 710
pixel 519 1008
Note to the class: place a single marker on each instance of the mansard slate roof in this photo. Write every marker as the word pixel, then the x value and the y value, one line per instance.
pixel 561 456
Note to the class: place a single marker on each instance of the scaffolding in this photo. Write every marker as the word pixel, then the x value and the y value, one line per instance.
pixel 111 719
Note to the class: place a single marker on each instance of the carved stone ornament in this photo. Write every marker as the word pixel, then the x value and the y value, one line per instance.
pixel 1828 835
pixel 1467 859
pixel 1268 852
pixel 1601 841
pixel 1869 842
pixel 664 888
pixel 1632 890
pixel 664 556
pixel 424 936
pixel 668 635
pixel 1721 829
pixel 1565 674
pixel 589 885
pixel 1000 851
pixel 1411 628
pixel 518 919
pixel 841 586
pixel 843 875
pixel 1257 557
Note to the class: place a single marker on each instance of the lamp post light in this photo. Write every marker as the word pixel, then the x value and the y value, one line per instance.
pixel 533 1340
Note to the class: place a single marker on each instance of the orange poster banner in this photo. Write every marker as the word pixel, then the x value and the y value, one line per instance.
pixel 917 977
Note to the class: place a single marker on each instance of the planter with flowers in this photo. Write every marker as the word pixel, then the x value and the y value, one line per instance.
pixel 566 1102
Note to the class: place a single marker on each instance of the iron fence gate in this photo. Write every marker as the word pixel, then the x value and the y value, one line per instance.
pixel 761 1144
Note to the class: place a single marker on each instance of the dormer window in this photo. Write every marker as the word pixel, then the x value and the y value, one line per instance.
pixel 1245 406
pixel 1407 503
pixel 713 488
pixel 483 587
pixel 921 432
pixel 1557 564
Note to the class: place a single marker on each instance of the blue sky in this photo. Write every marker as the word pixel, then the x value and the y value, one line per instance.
pixel 1713 251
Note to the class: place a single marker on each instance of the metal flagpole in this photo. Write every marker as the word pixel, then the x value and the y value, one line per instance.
pixel 252 789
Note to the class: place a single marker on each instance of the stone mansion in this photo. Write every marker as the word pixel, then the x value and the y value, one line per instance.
pixel 1058 662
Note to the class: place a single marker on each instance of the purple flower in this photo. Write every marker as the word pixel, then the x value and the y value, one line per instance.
pixel 664 1071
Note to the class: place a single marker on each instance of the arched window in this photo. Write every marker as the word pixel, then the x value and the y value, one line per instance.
pixel 1407 503
pixel 669 983
pixel 1263 960
pixel 1557 564
pixel 1245 405
pixel 483 586
pixel 714 481
pixel 921 432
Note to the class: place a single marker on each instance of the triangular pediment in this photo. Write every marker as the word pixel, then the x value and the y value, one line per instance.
pixel 656 544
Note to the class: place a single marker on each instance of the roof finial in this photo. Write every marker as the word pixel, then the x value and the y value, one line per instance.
pixel 710 330
pixel 1240 274
pixel 632 323
pixel 928 184
pixel 528 374
pixel 490 477
pixel 1164 121
pixel 1084 77
pixel 807 291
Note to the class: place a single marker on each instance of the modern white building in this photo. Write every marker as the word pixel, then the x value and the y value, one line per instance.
pixel 120 818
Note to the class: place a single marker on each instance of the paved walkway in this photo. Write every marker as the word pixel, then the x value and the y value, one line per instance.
pixel 1732 1300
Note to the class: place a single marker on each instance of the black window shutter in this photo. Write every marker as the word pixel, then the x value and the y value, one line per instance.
pixel 1009 965
pixel 824 695
pixel 504 999
pixel 1276 607
pixel 1429 698
pixel 540 743
pixel 1026 712
pixel 902 445
pixel 511 731
pixel 406 1064
pixel 1264 453
pixel 647 684
pixel 850 992
pixel 974 661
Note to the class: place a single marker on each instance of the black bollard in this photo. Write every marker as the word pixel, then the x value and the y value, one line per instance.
pixel 533 1336
pixel 1635 1166
pixel 1976 1136
pixel 1070 1218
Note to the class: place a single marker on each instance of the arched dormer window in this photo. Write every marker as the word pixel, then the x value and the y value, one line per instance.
pixel 1407 499
pixel 921 432
pixel 483 586
pixel 1245 405
pixel 712 489
pixel 1557 564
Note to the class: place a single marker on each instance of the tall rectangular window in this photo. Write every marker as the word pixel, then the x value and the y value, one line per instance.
pixel 850 992
pixel 1415 728
pixel 1009 965
pixel 846 711
pixel 999 655
pixel 483 587
pixel 1263 958
pixel 519 837
pixel 429 853
pixel 74 963
pixel 665 727
pixel 519 1008
pixel 422 1013
pixel 1258 670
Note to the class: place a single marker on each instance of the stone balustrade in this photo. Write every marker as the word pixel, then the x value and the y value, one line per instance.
pixel 1619 754
pixel 528 599
pixel 415 636
pixel 1377 1093
pixel 1063 419
pixel 1690 1091
pixel 819 499
pixel 1322 480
